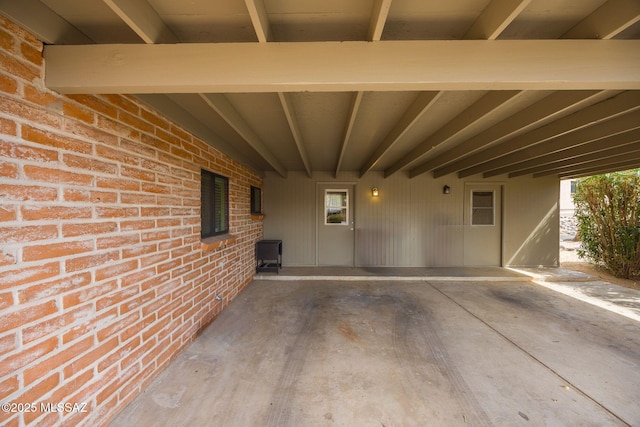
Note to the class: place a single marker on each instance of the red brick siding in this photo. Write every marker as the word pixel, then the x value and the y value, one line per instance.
pixel 103 278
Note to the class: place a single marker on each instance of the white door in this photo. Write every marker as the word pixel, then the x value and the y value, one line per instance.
pixel 483 225
pixel 336 240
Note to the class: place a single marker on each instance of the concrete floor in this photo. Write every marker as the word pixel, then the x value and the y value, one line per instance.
pixel 401 353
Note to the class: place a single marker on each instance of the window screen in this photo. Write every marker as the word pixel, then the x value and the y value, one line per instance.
pixel 482 208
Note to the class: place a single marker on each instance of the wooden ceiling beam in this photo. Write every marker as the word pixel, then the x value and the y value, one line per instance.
pixel 344 66
pixel 379 15
pixel 527 119
pixel 47 25
pixel 221 105
pixel 378 19
pixel 563 141
pixel 614 164
pixel 417 109
pixel 353 113
pixel 142 18
pixel 495 18
pixel 606 22
pixel 262 27
pixel 289 112
pixel 259 19
pixel 190 111
pixel 548 160
pixel 553 168
pixel 605 110
pixel 480 109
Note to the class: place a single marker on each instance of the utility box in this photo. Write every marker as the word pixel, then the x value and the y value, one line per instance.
pixel 268 256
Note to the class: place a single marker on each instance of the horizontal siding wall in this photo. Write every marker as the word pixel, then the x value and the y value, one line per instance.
pixel 412 223
pixel 103 277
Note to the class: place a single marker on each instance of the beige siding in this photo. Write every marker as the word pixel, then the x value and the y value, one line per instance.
pixel 532 222
pixel 289 206
pixel 412 223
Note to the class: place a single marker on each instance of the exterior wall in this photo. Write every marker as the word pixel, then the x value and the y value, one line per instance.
pixel 567 208
pixel 103 276
pixel 412 223
pixel 532 222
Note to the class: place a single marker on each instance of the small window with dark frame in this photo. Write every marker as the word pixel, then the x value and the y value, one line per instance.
pixel 214 195
pixel 256 200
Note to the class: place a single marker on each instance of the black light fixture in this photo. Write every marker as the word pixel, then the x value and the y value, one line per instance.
pixel 375 192
pixel 446 189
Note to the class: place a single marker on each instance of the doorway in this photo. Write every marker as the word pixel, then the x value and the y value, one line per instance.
pixel 335 225
pixel 483 225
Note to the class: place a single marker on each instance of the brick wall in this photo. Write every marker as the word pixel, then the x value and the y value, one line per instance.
pixel 103 277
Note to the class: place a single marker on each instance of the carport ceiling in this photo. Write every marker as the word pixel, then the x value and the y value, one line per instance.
pixel 513 87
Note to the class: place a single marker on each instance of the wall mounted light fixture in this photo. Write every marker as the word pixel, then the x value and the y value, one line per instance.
pixel 446 189
pixel 375 192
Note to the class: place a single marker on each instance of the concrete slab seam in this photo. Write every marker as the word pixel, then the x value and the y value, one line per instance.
pixel 522 349
pixel 393 278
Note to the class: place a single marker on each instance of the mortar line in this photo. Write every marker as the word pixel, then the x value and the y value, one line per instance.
pixel 549 368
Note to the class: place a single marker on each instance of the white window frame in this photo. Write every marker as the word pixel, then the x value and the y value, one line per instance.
pixel 335 190
pixel 493 208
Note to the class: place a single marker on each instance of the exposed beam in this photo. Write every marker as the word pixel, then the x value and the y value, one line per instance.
pixel 527 119
pixel 495 18
pixel 553 168
pixel 184 111
pixel 259 19
pixel 481 108
pixel 613 164
pixel 422 103
pixel 344 66
pixel 143 19
pixel 581 136
pixel 378 19
pixel 379 15
pixel 221 105
pixel 549 160
pixel 633 164
pixel 605 110
pixel 629 159
pixel 353 113
pixel 287 106
pixel 47 25
pixel 607 21
pixel 262 27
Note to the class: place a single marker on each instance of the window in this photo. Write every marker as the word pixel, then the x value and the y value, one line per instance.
pixel 573 186
pixel 336 207
pixel 482 208
pixel 214 214
pixel 256 200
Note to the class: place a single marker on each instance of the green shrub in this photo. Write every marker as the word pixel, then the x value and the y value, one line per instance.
pixel 335 218
pixel 608 214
